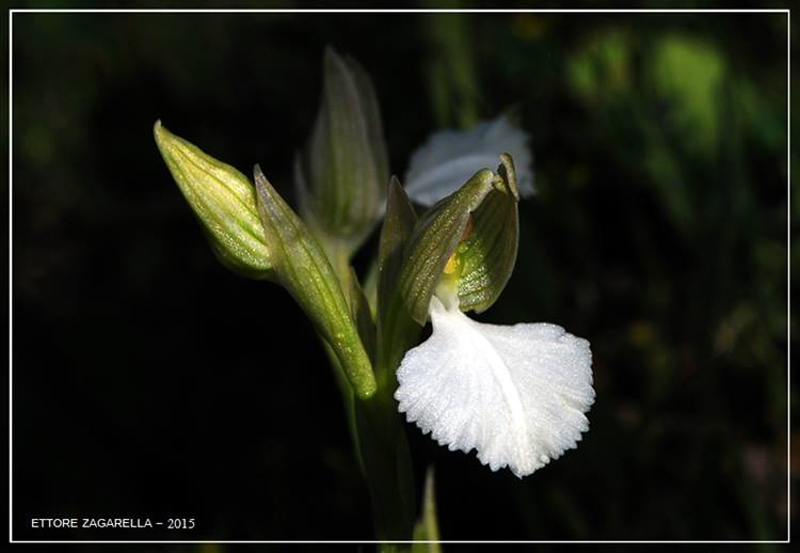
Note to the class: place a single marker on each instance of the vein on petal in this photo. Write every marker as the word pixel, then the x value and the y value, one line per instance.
pixel 471 339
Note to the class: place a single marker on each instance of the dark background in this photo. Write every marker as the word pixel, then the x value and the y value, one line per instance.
pixel 151 382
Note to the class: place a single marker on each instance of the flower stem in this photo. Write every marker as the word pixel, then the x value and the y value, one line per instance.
pixel 386 462
pixel 379 440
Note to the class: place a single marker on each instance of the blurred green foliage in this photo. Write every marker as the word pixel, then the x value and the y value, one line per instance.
pixel 658 232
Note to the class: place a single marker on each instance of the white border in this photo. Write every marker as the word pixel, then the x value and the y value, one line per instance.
pixel 787 11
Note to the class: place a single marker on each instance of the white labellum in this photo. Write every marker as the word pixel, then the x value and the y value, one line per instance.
pixel 516 394
pixel 449 158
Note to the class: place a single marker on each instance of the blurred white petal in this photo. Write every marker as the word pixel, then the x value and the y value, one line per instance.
pixel 516 394
pixel 449 158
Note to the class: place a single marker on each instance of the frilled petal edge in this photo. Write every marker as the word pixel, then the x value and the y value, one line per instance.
pixel 516 394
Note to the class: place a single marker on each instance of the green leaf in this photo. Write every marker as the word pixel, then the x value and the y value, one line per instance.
pixel 224 201
pixel 396 330
pixel 303 269
pixel 397 228
pixel 342 173
pixel 427 527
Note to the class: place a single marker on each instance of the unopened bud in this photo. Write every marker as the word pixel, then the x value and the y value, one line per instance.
pixel 341 175
pixel 224 201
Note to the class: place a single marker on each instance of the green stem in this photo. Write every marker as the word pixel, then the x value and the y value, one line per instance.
pixel 386 461
pixel 380 445
pixel 379 439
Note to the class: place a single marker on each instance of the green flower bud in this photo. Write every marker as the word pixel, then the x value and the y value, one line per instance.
pixel 467 243
pixel 224 201
pixel 303 269
pixel 341 175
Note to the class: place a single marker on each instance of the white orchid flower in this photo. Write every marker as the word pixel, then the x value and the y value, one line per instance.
pixel 516 394
pixel 448 158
